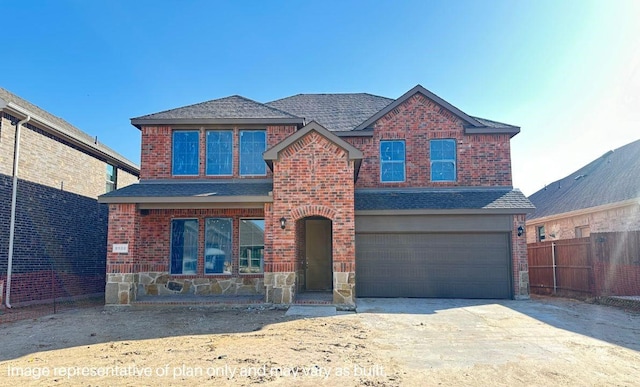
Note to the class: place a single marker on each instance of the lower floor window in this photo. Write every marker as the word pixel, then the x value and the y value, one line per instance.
pixel 251 245
pixel 217 245
pixel 184 246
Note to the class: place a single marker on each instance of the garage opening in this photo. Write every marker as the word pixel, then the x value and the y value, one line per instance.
pixel 446 265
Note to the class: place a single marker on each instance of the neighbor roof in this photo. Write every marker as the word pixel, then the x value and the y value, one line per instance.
pixel 224 110
pixel 65 130
pixel 497 199
pixel 336 112
pixel 611 178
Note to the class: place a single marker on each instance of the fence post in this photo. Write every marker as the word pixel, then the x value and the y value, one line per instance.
pixel 553 263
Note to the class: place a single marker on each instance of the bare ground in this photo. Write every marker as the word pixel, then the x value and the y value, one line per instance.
pixel 455 344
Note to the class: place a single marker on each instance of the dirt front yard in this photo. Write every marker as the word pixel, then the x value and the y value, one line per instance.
pixel 389 342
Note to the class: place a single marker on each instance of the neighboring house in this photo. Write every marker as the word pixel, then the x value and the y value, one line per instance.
pixel 602 196
pixel 60 228
pixel 352 194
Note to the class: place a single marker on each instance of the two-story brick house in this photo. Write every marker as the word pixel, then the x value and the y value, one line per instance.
pixel 346 193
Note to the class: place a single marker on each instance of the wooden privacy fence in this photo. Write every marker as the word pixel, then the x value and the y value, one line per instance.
pixel 601 264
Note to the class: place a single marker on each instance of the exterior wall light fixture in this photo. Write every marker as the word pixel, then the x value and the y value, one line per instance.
pixel 520 230
pixel 283 222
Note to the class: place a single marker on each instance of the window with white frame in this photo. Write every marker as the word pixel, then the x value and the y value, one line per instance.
pixel 112 178
pixel 217 245
pixel 185 159
pixel 219 153
pixel 252 144
pixel 443 159
pixel 251 245
pixel 184 246
pixel 392 161
pixel 541 235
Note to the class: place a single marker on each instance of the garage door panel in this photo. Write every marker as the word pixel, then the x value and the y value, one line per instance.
pixel 461 265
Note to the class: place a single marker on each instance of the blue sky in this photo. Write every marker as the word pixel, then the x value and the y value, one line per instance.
pixel 567 72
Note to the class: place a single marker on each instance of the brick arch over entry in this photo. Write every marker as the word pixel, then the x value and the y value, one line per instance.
pixel 313 210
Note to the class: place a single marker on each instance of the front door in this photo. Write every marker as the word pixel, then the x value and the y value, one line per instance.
pixel 318 255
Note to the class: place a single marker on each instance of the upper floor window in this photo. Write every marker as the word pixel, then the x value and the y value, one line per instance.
pixel 443 160
pixel 112 178
pixel 219 152
pixel 186 152
pixel 392 156
pixel 252 144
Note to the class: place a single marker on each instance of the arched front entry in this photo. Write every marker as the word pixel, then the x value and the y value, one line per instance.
pixel 315 254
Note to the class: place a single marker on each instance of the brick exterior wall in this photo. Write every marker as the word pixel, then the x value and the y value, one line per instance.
pixel 312 177
pixel 60 242
pixel 520 264
pixel 482 160
pixel 157 150
pixel 625 218
pixel 47 160
pixel 144 270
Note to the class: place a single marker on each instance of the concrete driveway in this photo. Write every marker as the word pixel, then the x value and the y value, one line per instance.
pixel 541 342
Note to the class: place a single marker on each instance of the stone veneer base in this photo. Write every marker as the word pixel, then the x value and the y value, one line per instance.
pixel 122 289
pixel 344 289
pixel 280 287
pixel 161 283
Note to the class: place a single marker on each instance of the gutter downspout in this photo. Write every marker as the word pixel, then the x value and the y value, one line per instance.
pixel 14 196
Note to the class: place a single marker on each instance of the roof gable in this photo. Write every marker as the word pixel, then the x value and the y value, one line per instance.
pixel 611 178
pixel 353 152
pixel 419 89
pixel 223 110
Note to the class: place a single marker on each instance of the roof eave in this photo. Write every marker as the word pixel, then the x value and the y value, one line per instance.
pixel 55 130
pixel 457 211
pixel 184 199
pixel 140 122
pixel 584 211
pixel 512 131
pixel 353 133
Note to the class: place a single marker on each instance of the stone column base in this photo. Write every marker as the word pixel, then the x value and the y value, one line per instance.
pixel 120 289
pixel 280 287
pixel 523 291
pixel 344 289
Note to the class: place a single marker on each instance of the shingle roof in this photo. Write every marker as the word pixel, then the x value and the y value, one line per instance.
pixel 493 124
pixel 234 106
pixel 179 189
pixel 66 128
pixel 441 199
pixel 612 178
pixel 336 112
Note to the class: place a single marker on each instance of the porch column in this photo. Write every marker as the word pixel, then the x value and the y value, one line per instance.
pixel 344 257
pixel 121 254
pixel 520 262
pixel 279 257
